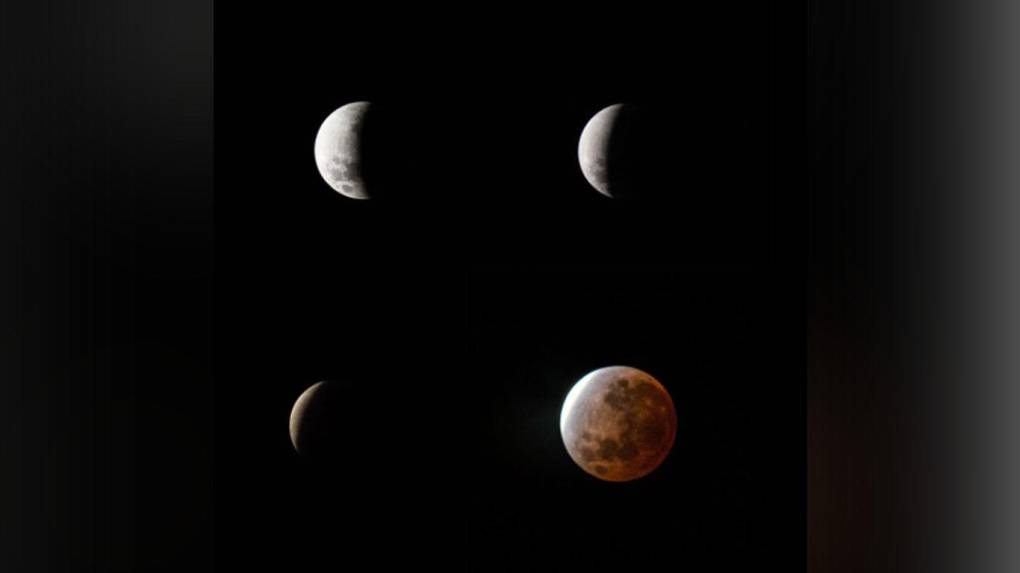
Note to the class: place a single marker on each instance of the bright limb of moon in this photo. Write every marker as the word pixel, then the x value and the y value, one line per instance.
pixel 297 413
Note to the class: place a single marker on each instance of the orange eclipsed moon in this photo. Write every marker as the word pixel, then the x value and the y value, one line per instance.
pixel 618 423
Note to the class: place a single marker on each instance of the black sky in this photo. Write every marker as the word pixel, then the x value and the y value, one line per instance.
pixel 472 306
pixel 168 313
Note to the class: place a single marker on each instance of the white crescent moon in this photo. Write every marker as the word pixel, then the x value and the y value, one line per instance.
pixel 593 149
pixel 338 150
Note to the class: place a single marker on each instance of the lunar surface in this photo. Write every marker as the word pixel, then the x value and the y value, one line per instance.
pixel 337 428
pixel 303 417
pixel 324 423
pixel 618 423
pixel 610 150
pixel 339 150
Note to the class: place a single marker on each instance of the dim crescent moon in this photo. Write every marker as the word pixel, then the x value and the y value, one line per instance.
pixel 299 415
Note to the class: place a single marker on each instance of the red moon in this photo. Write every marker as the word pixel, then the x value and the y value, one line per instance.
pixel 618 423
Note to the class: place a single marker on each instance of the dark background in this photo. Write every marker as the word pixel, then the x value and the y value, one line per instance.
pixel 155 355
pixel 887 196
pixel 106 196
pixel 469 306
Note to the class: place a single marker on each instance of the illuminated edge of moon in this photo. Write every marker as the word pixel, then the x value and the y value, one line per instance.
pixel 572 396
pixel 297 411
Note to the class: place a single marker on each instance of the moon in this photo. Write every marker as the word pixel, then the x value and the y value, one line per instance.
pixel 618 423
pixel 610 151
pixel 307 418
pixel 325 424
pixel 339 150
pixel 345 429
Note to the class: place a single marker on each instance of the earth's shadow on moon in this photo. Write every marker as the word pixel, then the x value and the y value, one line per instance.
pixel 618 423
pixel 385 153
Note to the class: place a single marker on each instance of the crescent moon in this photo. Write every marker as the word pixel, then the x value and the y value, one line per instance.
pixel 299 415
pixel 339 152
pixel 593 150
